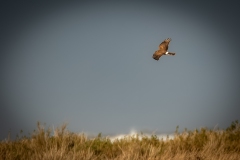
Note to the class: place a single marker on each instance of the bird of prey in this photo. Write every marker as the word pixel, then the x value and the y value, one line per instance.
pixel 163 49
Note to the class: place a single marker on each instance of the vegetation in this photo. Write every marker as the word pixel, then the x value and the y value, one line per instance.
pixel 203 144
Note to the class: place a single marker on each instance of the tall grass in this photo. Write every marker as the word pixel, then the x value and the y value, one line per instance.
pixel 59 144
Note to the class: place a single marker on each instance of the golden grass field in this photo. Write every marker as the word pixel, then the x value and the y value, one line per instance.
pixel 60 144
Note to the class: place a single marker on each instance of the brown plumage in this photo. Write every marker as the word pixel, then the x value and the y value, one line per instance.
pixel 163 49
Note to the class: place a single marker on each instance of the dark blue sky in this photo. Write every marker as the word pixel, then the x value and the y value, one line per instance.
pixel 90 64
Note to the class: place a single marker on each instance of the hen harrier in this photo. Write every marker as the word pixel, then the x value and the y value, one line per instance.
pixel 163 50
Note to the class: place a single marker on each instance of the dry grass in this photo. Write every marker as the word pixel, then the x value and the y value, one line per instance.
pixel 203 144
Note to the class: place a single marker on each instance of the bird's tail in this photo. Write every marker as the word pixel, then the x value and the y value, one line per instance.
pixel 171 53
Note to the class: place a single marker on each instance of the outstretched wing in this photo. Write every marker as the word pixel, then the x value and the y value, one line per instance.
pixel 163 47
pixel 157 55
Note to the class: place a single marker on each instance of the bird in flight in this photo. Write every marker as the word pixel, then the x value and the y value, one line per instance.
pixel 163 50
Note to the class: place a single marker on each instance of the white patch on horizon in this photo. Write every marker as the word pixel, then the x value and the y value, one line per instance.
pixel 134 134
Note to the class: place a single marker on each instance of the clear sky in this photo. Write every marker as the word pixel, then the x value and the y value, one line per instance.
pixel 90 64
